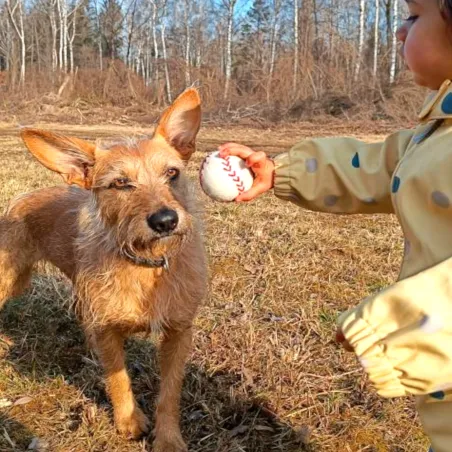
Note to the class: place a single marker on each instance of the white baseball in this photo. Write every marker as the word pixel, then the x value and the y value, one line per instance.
pixel 223 179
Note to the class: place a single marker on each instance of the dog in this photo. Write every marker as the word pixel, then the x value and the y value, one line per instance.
pixel 126 231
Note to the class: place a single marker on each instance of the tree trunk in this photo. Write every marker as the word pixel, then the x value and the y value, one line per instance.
pixel 187 43
pixel 154 37
pixel 376 39
pixel 165 63
pixel 18 25
pixel 274 34
pixel 231 5
pixel 130 34
pixel 99 37
pixel 53 31
pixel 360 39
pixel 65 34
pixel 73 24
pixel 395 16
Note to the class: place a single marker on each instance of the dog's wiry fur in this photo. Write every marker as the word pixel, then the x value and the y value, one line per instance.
pixel 90 229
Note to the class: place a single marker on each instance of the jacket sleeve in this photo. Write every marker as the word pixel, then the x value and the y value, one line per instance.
pixel 340 175
pixel 403 335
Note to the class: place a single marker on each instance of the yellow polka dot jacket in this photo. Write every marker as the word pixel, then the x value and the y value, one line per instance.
pixel 403 335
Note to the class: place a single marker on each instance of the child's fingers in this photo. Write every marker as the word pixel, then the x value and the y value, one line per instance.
pixel 252 193
pixel 255 159
pixel 236 149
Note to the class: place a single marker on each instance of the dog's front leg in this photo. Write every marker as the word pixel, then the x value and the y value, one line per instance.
pixel 176 346
pixel 129 418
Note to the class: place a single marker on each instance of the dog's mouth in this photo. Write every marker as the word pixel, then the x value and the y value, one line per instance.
pixel 131 256
pixel 153 253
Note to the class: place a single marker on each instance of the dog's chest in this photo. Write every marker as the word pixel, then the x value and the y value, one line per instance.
pixel 149 301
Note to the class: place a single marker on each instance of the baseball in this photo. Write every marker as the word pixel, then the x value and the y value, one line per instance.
pixel 223 179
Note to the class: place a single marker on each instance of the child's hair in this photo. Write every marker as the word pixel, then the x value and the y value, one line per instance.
pixel 446 8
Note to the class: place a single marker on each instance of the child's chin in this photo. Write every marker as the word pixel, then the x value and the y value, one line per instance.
pixel 421 81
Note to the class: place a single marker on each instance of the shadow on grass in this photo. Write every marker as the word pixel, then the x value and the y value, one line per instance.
pixel 47 345
pixel 14 436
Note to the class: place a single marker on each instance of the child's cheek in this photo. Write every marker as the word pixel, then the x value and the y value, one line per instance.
pixel 410 54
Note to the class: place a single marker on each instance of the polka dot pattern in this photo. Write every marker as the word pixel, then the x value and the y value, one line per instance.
pixel 431 324
pixel 407 247
pixel 446 106
pixel 419 138
pixel 331 200
pixel 438 395
pixel 441 199
pixel 396 184
pixel 312 165
pixel 355 161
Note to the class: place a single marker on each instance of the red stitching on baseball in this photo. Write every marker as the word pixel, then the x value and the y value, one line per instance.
pixel 226 167
pixel 233 175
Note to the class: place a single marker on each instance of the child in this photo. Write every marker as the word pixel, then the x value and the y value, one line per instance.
pixel 403 335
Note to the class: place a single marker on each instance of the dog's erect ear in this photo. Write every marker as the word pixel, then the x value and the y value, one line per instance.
pixel 71 157
pixel 180 123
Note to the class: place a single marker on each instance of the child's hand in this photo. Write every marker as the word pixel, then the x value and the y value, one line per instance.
pixel 340 338
pixel 262 167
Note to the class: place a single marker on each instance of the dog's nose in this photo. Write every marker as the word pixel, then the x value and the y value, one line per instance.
pixel 165 220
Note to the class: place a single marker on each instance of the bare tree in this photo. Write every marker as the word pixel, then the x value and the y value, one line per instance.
pixel 165 60
pixel 199 30
pixel 71 35
pixel 360 39
pixel 395 19
pixel 99 34
pixel 54 31
pixel 276 9
pixel 154 23
pixel 131 26
pixel 230 5
pixel 376 38
pixel 187 41
pixel 5 41
pixel 16 12
pixel 63 19
pixel 276 51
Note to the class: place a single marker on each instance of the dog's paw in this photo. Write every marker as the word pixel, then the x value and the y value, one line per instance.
pixel 133 426
pixel 169 442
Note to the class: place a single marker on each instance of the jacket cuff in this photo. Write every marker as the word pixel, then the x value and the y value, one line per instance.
pixel 282 186
pixel 366 343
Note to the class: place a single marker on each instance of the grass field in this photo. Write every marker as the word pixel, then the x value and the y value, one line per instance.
pixel 265 374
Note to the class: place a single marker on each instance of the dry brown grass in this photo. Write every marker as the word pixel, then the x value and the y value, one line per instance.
pixel 265 373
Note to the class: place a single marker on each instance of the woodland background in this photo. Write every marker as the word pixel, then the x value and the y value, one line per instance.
pixel 265 60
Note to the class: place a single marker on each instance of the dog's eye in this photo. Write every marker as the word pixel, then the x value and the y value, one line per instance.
pixel 121 182
pixel 172 173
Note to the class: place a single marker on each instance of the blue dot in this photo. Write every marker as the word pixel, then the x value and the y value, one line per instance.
pixel 396 184
pixel 331 200
pixel 355 161
pixel 440 199
pixel 439 395
pixel 430 449
pixel 446 106
pixel 311 165
pixel 407 247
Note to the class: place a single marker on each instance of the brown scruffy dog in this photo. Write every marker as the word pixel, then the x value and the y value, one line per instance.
pixel 127 234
